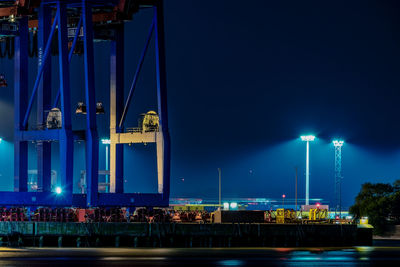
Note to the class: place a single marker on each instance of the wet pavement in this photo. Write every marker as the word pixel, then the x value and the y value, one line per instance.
pixel 383 253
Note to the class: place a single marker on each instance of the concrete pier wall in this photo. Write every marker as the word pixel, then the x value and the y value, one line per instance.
pixel 180 235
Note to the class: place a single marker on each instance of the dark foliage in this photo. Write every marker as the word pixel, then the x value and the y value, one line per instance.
pixel 380 203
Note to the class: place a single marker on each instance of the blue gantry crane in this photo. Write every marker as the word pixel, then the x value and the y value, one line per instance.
pixel 70 23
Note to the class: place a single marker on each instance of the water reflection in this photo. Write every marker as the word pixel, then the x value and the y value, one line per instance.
pixel 231 263
pixel 349 256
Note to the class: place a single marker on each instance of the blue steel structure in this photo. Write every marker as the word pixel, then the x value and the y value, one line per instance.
pixel 48 27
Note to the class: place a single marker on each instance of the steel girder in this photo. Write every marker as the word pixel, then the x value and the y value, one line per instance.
pixel 117 115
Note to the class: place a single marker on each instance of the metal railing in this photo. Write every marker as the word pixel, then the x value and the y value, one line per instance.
pixel 141 130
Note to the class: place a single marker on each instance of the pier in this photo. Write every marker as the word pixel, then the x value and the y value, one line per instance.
pixel 58 234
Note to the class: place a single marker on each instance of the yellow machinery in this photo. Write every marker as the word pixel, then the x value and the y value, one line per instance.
pixel 283 216
pixel 149 121
pixel 364 220
pixel 280 216
pixel 290 215
pixel 318 214
pixel 148 131
pixel 188 207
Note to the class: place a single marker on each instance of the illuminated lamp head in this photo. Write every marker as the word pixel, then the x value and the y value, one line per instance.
pixel 307 138
pixel 58 190
pixel 338 143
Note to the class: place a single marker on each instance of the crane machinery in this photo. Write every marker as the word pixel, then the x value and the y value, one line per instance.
pixel 58 27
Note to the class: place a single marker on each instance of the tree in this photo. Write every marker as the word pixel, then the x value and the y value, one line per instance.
pixel 377 202
pixel 395 202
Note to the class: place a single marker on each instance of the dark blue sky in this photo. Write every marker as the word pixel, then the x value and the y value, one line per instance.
pixel 245 79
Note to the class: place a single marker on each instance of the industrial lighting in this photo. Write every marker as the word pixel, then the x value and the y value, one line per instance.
pixel 58 190
pixel 308 139
pixel 11 18
pixel 226 206
pixel 234 205
pixel 1 139
pixel 338 142
pixel 99 108
pixel 81 108
pixel 105 141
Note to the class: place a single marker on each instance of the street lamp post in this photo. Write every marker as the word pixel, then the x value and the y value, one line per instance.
pixel 107 142
pixel 283 201
pixel 308 139
pixel 219 187
pixel 296 191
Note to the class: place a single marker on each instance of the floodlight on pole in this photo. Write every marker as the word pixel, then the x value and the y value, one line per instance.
pixel 219 188
pixel 338 143
pixel 107 142
pixel 308 139
pixel 338 176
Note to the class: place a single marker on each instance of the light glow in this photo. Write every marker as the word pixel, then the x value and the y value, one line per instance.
pixel 58 190
pixel 307 138
pixel 338 142
pixel 105 141
pixel 234 205
pixel 226 206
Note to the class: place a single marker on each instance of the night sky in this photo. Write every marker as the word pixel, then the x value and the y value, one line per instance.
pixel 245 80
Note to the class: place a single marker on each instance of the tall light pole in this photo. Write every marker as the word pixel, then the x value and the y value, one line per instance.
pixel 338 176
pixel 296 190
pixel 308 139
pixel 107 142
pixel 219 187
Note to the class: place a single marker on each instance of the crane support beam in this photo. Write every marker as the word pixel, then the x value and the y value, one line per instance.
pixel 135 138
pixel 20 104
pixel 71 52
pixel 163 146
pixel 161 136
pixel 66 135
pixel 116 109
pixel 136 76
pixel 92 139
pixel 40 72
pixel 44 100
